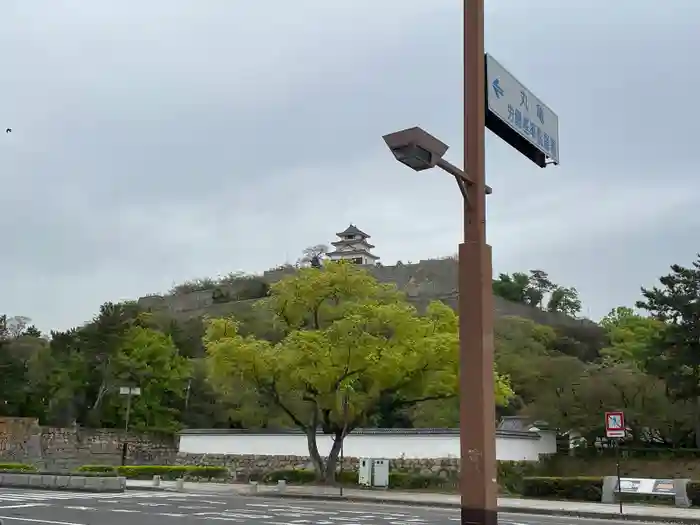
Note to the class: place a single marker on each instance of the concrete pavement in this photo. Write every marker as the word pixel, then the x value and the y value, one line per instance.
pixel 168 508
pixel 506 506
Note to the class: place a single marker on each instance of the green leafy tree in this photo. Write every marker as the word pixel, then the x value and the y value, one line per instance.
pixel 676 352
pixel 535 289
pixel 349 341
pixel 631 336
pixel 98 343
pixel 32 331
pixel 564 300
pixel 148 359
pixel 539 285
pixel 56 378
pixel 521 345
pixel 513 287
pixel 17 351
pixel 575 395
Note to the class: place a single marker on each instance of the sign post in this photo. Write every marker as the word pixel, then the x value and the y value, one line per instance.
pixel 615 430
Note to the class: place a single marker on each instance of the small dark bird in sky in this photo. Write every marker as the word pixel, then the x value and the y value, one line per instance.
pixel 8 130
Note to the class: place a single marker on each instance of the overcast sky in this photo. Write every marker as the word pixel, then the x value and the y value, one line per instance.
pixel 156 141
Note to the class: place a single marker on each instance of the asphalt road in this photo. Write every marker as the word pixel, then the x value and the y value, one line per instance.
pixel 27 507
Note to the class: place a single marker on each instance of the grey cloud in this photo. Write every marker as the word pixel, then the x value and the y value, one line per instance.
pixel 165 140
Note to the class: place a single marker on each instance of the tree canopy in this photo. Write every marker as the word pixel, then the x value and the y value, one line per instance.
pixel 351 345
pixel 537 290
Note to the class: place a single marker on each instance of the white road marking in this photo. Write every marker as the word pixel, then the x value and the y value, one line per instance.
pixel 42 495
pixel 37 520
pixel 22 506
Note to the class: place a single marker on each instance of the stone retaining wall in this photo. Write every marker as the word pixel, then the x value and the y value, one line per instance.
pixel 246 467
pixel 23 440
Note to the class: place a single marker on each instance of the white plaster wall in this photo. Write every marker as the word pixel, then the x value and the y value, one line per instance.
pixel 362 445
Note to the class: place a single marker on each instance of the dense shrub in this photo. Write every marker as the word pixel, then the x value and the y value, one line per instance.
pixel 416 481
pixel 166 472
pixel 17 467
pixel 577 489
pixel 397 479
pixel 96 468
pixel 293 476
pixel 649 453
pixel 87 474
pixel 510 475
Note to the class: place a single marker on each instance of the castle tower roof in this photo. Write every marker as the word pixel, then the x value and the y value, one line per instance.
pixel 353 230
pixel 352 246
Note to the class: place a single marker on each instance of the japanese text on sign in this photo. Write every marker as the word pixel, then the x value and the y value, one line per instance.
pixel 515 105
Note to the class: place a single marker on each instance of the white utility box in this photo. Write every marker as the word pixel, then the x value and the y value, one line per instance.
pixel 373 473
pixel 380 473
pixel 364 473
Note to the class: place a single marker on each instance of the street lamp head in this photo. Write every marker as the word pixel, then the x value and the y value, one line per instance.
pixel 416 148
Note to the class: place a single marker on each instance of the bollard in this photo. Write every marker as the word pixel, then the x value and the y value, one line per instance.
pixel 180 484
pixel 281 485
pixel 156 481
pixel 253 488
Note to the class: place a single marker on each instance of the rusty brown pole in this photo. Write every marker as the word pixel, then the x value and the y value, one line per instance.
pixel 478 486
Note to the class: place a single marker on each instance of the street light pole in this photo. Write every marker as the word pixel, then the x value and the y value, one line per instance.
pixel 127 391
pixel 420 151
pixel 476 393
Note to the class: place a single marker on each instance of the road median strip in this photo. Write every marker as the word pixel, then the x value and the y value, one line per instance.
pixel 63 482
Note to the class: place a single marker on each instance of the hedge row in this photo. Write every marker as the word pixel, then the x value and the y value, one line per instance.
pixel 164 471
pixel 582 489
pixel 17 467
pixel 31 469
pixel 397 479
pixel 131 472
pixel 651 453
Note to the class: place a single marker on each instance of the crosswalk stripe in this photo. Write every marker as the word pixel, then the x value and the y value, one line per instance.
pixel 31 495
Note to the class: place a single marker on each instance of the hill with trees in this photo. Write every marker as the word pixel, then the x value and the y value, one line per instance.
pixel 333 348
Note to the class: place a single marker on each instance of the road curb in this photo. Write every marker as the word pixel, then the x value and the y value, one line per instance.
pixel 505 509
pixel 151 489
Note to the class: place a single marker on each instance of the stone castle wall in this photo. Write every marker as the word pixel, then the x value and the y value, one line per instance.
pixel 425 281
pixel 23 440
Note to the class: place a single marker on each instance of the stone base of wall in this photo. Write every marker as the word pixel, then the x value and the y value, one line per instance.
pixel 23 440
pixel 247 467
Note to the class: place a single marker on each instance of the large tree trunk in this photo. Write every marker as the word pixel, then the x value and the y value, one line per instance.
pixel 332 461
pixel 325 470
pixel 314 454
